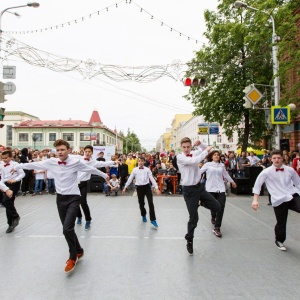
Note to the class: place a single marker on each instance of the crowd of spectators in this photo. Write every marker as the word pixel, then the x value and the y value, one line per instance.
pixel 37 182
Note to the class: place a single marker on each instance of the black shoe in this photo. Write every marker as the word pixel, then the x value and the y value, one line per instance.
pixel 10 229
pixel 189 245
pixel 15 222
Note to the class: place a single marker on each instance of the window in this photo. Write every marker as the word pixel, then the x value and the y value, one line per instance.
pixel 82 137
pixel 69 137
pixel 9 135
pixel 23 137
pixel 52 137
pixel 38 137
pixel 219 138
pixel 230 140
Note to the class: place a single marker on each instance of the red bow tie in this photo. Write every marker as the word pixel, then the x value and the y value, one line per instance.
pixel 6 165
pixel 282 169
pixel 86 159
pixel 189 155
pixel 141 167
pixel 62 162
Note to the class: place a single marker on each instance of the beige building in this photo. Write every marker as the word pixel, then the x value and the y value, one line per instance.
pixel 12 118
pixel 39 134
pixel 188 127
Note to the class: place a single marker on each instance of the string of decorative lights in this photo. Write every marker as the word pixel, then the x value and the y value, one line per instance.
pixel 97 13
pixel 89 68
pixel 140 97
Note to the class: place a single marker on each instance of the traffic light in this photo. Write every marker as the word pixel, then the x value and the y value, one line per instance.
pixel 2 111
pixel 195 82
pixel 247 103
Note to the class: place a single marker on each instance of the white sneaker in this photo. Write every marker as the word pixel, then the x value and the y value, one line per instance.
pixel 280 246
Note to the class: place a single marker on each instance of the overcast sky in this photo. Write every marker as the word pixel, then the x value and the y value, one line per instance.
pixel 120 36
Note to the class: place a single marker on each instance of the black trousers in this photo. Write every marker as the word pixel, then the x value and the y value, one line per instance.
pixel 281 213
pixel 83 185
pixel 218 216
pixel 9 203
pixel 25 181
pixel 68 206
pixel 122 182
pixel 192 194
pixel 142 191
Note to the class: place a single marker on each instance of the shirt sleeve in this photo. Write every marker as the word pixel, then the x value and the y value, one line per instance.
pixel 259 181
pixel 184 160
pixel 3 187
pixel 21 174
pixel 101 164
pixel 296 179
pixel 226 175
pixel 39 165
pixel 91 170
pixel 130 178
pixel 153 180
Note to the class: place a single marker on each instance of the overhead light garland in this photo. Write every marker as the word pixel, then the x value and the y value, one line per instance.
pixel 97 13
pixel 88 68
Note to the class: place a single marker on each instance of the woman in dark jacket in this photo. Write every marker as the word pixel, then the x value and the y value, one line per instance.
pixel 123 173
pixel 28 173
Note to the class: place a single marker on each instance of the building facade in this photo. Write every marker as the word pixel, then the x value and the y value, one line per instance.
pixel 189 128
pixel 12 118
pixel 40 134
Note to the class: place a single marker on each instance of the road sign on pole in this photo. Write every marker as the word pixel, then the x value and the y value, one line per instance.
pixel 9 72
pixel 9 88
pixel 203 128
pixel 280 115
pixel 253 95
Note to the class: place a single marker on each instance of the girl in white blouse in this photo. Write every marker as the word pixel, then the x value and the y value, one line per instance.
pixel 215 175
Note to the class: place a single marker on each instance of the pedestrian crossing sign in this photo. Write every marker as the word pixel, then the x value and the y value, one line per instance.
pixel 280 115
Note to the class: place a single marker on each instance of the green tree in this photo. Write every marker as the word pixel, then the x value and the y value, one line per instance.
pixel 132 142
pixel 238 54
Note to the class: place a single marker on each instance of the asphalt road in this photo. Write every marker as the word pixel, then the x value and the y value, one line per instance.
pixel 127 259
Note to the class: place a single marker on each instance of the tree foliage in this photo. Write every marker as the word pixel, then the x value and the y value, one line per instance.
pixel 238 54
pixel 131 143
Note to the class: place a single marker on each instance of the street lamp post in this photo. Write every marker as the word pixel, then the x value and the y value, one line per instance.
pixel 29 4
pixel 275 39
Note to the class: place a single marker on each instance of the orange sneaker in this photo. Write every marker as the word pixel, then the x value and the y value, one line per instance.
pixel 70 265
pixel 80 255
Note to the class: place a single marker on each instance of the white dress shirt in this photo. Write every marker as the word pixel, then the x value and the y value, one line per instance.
pixel 6 175
pixel 84 176
pixel 280 184
pixel 253 160
pixel 141 176
pixel 65 175
pixel 215 175
pixel 3 187
pixel 188 166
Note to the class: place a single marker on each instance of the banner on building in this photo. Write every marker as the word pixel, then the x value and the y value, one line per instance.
pixel 87 136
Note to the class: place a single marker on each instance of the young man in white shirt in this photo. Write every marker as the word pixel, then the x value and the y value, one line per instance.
pixel 65 170
pixel 142 176
pixel 13 182
pixel 83 179
pixel 192 189
pixel 283 184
